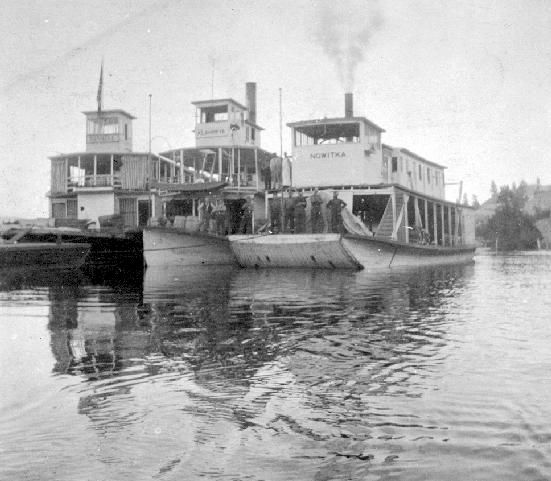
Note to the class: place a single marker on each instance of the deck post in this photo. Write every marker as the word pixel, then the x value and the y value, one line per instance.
pixel 95 169
pixel 406 220
pixel 435 223
pixel 450 232
pixel 256 168
pixel 393 200
pixel 182 166
pixel 426 226
pixel 220 163
pixel 443 225
pixel 238 169
pixel 111 171
pixel 266 210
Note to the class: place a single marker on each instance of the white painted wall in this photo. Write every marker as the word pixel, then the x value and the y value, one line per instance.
pixel 335 164
pixel 91 205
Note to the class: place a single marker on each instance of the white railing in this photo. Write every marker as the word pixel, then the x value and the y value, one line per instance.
pixel 99 180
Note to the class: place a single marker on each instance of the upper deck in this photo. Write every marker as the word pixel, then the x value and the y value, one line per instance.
pixel 349 151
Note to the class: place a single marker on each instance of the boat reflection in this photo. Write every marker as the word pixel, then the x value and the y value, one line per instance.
pixel 227 323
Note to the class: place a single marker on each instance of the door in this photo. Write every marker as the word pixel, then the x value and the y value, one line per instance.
pixel 144 212
pixel 127 209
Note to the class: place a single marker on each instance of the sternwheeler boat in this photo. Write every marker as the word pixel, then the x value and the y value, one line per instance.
pixel 394 211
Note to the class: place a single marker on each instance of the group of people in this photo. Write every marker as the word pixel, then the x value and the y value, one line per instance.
pixel 213 216
pixel 289 214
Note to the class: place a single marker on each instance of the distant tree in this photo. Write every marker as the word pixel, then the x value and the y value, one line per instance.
pixel 493 190
pixel 474 202
pixel 465 199
pixel 510 228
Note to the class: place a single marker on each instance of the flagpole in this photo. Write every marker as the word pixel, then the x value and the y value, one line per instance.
pixel 280 127
pixel 150 95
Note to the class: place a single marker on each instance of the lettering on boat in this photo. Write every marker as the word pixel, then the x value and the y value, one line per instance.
pixel 327 155
pixel 210 132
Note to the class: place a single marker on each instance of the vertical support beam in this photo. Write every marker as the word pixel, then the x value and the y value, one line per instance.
pixel 238 168
pixel 450 233
pixel 220 164
pixel 95 169
pixel 266 210
pixel 418 222
pixel 426 226
pixel 443 228
pixel 406 220
pixel 182 166
pixel 256 169
pixel 393 200
pixel 111 171
pixel 435 222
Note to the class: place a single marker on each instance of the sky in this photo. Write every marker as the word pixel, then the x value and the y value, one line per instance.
pixel 463 83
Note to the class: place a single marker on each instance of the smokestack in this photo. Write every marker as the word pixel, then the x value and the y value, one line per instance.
pixel 251 100
pixel 348 105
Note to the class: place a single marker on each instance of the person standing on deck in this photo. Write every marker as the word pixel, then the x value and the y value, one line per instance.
pixel 300 214
pixel 315 212
pixel 275 214
pixel 246 226
pixel 203 215
pixel 289 217
pixel 220 217
pixel 267 176
pixel 335 206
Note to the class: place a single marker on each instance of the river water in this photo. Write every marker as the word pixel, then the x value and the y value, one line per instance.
pixel 431 374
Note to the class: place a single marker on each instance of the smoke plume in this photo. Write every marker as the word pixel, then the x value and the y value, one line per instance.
pixel 344 31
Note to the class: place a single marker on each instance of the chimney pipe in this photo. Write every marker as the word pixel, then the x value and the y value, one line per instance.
pixel 251 100
pixel 348 105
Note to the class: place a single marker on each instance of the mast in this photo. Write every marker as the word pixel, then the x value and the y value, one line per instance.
pixel 280 127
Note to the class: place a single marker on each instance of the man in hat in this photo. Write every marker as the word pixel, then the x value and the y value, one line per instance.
pixel 315 212
pixel 335 206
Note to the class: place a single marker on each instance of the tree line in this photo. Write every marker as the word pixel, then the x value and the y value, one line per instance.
pixel 510 227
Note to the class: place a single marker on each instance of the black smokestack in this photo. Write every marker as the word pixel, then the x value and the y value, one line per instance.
pixel 348 105
pixel 251 101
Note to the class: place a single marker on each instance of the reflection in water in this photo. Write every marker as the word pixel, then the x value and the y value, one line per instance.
pixel 225 373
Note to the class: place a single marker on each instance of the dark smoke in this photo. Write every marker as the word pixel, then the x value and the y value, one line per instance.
pixel 344 31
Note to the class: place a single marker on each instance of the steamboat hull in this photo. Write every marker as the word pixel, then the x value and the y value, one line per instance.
pixel 43 255
pixel 374 253
pixel 315 251
pixel 171 246
pixel 333 251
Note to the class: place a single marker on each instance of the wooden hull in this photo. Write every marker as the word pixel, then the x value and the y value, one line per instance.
pixel 105 249
pixel 375 253
pixel 171 246
pixel 319 251
pixel 43 255
pixel 332 251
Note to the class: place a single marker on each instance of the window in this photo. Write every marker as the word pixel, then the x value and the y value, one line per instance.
pixel 125 131
pixel 420 172
pixel 394 164
pixel 327 134
pixel 103 125
pixel 400 163
pixel 214 114
pixel 253 134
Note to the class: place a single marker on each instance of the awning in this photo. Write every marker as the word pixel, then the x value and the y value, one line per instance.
pixel 190 188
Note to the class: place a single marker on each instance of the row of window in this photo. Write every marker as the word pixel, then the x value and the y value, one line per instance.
pixel 105 126
pixel 430 175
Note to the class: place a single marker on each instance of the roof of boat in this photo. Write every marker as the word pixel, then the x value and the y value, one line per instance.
pixel 206 103
pixel 335 120
pixel 107 112
pixel 73 154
